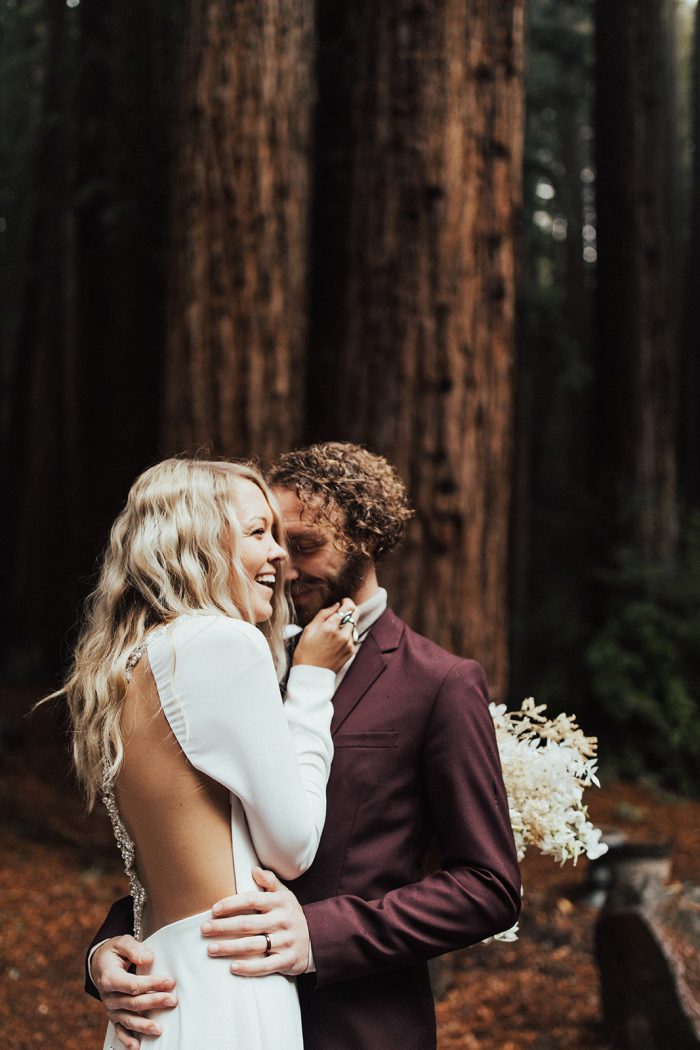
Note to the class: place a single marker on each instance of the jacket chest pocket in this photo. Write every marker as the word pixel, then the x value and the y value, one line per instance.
pixel 362 761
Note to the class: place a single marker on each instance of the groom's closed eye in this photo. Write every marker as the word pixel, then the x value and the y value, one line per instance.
pixel 303 546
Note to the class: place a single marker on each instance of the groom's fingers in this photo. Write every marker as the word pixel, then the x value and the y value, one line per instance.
pixel 126 1039
pixel 133 1025
pixel 242 903
pixel 122 982
pixel 140 1004
pixel 280 962
pixel 255 945
pixel 127 947
pixel 239 926
pixel 266 880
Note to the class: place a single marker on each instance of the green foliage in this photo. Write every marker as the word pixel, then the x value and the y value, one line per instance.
pixel 620 648
pixel 644 668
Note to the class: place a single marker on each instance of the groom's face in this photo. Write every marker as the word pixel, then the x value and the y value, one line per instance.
pixel 318 572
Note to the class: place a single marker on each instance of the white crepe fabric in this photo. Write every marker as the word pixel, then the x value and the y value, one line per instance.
pixel 219 692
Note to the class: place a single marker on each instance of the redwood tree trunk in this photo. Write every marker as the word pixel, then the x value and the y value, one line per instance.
pixel 637 276
pixel 86 386
pixel 690 365
pixel 238 301
pixel 416 340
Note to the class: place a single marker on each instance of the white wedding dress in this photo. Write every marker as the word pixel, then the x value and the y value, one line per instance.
pixel 227 726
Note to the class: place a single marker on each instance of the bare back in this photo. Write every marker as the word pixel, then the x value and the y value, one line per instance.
pixel 179 818
pixel 216 769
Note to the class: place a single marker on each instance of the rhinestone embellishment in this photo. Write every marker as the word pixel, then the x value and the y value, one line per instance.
pixel 124 839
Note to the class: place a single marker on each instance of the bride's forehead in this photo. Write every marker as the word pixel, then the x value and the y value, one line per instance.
pixel 249 500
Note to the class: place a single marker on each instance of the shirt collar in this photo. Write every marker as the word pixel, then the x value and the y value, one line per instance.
pixel 367 613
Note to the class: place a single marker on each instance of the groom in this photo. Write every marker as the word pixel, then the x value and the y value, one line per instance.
pixel 415 760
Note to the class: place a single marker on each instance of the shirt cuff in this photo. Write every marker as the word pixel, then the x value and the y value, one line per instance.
pixel 92 952
pixel 311 968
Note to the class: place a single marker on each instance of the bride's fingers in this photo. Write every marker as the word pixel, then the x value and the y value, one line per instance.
pixel 339 611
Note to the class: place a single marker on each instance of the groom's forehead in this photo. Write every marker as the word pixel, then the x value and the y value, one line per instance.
pixel 313 517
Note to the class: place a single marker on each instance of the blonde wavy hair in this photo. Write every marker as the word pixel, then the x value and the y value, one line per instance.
pixel 173 549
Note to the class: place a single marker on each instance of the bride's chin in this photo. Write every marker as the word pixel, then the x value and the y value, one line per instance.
pixel 263 616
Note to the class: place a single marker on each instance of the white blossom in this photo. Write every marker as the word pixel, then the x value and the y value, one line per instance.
pixel 547 765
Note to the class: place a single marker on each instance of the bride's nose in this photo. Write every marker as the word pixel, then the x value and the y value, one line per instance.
pixel 277 553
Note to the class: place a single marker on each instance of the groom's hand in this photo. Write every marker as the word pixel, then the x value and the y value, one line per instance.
pixel 127 996
pixel 239 924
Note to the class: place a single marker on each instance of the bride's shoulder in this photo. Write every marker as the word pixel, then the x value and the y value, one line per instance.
pixel 212 631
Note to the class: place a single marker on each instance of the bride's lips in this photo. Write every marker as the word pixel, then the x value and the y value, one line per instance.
pixel 266 580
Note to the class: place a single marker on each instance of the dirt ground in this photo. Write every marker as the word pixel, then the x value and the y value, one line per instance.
pixel 60 872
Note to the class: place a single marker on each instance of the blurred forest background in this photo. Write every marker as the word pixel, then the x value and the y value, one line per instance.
pixel 463 233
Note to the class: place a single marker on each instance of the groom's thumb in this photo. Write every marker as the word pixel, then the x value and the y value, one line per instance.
pixel 266 880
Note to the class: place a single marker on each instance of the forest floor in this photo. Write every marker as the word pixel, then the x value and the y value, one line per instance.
pixel 60 872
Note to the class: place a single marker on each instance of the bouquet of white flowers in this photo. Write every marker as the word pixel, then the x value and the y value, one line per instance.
pixel 547 765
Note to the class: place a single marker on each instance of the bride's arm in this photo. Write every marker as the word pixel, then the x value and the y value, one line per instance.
pixel 219 692
pixel 224 700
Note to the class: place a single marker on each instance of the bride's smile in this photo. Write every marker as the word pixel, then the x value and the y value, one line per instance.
pixel 261 554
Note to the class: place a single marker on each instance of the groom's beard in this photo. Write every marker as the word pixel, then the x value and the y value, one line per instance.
pixel 318 592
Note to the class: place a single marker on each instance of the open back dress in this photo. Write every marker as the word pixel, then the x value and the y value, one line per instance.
pixel 219 775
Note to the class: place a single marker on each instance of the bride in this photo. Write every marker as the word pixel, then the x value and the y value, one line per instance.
pixel 178 724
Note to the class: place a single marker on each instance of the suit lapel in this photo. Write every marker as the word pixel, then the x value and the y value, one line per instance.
pixel 369 664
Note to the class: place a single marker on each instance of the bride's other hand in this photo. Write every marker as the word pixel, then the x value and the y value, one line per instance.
pixel 326 641
pixel 126 996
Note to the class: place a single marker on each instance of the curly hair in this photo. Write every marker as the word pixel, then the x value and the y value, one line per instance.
pixel 336 477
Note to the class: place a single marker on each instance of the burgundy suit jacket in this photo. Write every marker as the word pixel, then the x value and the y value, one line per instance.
pixel 415 759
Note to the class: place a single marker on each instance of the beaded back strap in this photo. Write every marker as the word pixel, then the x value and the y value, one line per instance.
pixel 124 839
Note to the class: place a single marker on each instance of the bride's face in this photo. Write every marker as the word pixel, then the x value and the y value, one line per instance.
pixel 261 554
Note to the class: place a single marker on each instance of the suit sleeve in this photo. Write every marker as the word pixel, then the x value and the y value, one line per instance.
pixel 120 920
pixel 476 892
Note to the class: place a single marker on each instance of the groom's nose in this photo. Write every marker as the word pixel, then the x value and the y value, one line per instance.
pixel 291 572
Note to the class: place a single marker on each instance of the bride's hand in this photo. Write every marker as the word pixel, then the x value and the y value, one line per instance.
pixel 326 641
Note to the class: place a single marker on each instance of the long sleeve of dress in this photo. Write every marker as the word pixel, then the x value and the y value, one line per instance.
pixel 220 695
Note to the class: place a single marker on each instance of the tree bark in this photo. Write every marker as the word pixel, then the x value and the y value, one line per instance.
pixel 690 363
pixel 414 344
pixel 39 532
pixel 637 277
pixel 238 289
pixel 551 518
pixel 90 315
